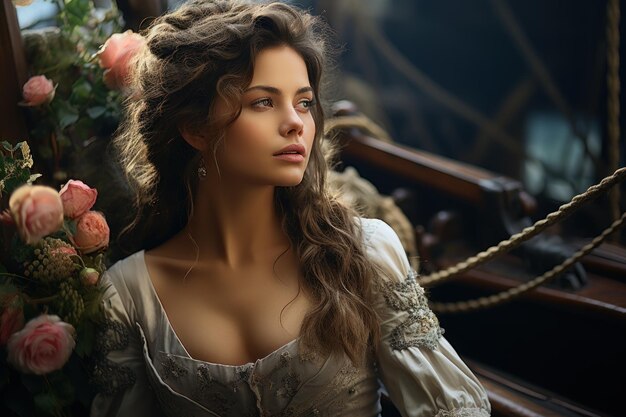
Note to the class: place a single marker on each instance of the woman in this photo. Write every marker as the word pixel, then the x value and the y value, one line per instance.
pixel 257 293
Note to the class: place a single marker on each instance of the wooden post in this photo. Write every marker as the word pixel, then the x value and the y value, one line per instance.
pixel 13 75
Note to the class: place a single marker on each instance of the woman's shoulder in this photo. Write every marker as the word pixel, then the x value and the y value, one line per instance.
pixel 384 248
pixel 128 266
pixel 127 275
pixel 379 237
pixel 376 230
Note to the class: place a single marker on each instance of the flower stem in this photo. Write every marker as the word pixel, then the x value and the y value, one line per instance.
pixel 43 300
pixel 8 274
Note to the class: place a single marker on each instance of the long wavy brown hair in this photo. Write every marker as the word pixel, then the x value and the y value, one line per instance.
pixel 207 49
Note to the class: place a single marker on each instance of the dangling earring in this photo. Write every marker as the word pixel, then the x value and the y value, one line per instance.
pixel 202 169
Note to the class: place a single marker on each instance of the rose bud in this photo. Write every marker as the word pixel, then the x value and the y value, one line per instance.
pixel 38 90
pixel 37 211
pixel 92 232
pixel 43 346
pixel 116 57
pixel 77 198
pixel 89 276
pixel 12 318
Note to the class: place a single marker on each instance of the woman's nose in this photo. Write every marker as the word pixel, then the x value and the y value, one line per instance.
pixel 292 123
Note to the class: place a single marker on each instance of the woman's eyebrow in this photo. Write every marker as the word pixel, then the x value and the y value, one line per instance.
pixel 276 91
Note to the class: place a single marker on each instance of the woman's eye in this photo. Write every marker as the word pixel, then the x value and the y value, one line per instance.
pixel 264 102
pixel 306 104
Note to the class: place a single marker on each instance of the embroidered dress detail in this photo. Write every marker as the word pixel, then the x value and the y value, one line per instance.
pixel 208 389
pixel 172 369
pixel 463 412
pixel 243 373
pixel 289 385
pixel 109 377
pixel 421 327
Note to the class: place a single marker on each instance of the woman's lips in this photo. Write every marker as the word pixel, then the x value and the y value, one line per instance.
pixel 290 157
pixel 291 153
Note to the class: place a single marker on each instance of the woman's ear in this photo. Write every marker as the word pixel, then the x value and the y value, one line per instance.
pixel 194 135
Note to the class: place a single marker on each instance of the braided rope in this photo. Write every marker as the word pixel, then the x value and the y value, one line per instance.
pixel 527 233
pixel 504 296
pixel 613 87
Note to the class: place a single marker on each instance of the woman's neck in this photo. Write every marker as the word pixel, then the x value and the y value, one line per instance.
pixel 236 225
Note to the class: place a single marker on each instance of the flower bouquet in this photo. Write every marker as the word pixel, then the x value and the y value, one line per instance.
pixel 52 256
pixel 73 99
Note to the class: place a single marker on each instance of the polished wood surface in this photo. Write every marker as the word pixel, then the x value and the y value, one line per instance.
pixel 13 75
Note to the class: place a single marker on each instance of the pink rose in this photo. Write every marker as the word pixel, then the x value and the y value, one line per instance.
pixel 92 232
pixel 77 198
pixel 37 91
pixel 89 276
pixel 37 211
pixel 116 55
pixel 43 346
pixel 12 318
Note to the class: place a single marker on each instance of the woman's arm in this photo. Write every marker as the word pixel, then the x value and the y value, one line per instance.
pixel 422 373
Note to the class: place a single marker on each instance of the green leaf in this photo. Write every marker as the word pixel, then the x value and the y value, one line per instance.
pixel 77 11
pixel 7 146
pixel 81 89
pixel 18 179
pixel 95 112
pixel 66 114
pixel 70 226
pixel 47 402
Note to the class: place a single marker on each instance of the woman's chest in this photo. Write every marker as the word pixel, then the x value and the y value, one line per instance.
pixel 235 324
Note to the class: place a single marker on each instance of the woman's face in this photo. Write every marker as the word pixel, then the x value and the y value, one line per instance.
pixel 270 142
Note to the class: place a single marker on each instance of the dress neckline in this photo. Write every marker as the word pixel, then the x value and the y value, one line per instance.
pixel 142 258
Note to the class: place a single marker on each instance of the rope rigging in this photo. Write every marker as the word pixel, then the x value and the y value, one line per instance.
pixel 463 110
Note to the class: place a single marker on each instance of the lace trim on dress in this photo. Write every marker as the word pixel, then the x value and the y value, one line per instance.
pixel 421 328
pixel 109 377
pixel 463 412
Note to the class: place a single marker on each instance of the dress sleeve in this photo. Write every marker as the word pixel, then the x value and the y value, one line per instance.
pixel 120 369
pixel 421 372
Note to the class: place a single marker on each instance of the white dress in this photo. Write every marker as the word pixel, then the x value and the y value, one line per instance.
pixel 144 370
